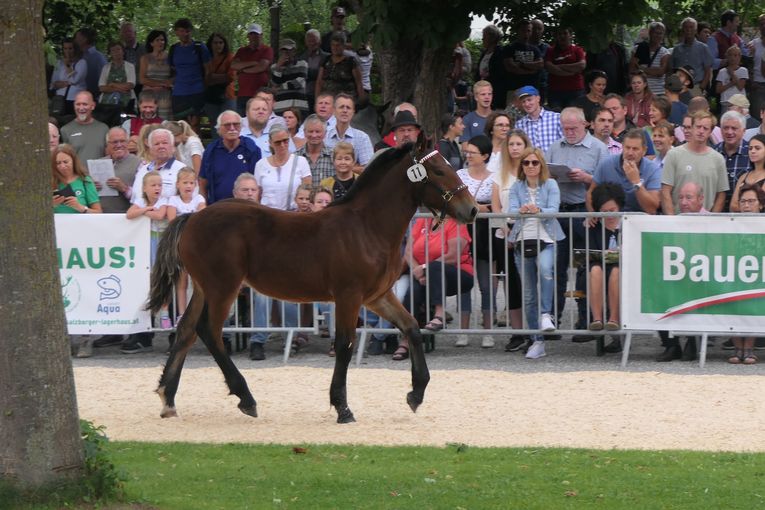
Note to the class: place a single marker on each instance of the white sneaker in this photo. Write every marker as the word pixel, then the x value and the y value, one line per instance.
pixel 487 342
pixel 537 350
pixel 462 341
pixel 547 322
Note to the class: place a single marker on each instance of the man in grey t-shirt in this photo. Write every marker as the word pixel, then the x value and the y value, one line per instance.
pixel 84 133
pixel 695 162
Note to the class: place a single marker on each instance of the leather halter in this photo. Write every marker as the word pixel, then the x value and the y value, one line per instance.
pixel 418 173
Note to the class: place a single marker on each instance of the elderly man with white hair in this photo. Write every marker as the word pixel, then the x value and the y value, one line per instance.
pixel 581 153
pixel 226 158
pixel 734 149
pixel 314 56
pixel 162 153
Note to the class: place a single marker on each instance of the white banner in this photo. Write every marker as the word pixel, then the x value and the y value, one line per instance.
pixel 104 262
pixel 696 273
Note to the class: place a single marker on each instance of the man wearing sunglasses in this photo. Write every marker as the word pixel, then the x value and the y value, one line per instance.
pixel 226 158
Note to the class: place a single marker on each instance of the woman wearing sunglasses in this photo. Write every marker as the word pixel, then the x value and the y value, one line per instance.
pixel 534 242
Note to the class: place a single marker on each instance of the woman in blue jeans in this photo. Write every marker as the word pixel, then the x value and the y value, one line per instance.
pixel 534 239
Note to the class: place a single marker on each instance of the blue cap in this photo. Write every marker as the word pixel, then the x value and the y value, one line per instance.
pixel 528 90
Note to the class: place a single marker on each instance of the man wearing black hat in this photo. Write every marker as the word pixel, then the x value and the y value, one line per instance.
pixel 405 128
pixel 687 79
pixel 337 22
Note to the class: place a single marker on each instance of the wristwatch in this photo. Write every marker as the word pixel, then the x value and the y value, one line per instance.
pixel 639 184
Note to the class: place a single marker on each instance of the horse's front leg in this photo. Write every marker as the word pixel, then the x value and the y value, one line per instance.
pixel 390 308
pixel 345 338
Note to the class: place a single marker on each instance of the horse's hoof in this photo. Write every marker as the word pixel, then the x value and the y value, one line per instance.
pixel 250 411
pixel 413 401
pixel 168 412
pixel 345 416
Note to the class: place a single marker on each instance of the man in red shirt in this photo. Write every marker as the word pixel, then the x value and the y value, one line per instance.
pixel 253 65
pixel 565 63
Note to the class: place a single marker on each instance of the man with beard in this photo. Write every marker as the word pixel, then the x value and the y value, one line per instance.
pixel 85 133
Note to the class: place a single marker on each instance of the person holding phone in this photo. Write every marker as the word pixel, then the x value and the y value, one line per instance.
pixel 73 189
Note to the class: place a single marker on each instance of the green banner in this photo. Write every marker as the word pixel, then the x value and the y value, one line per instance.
pixel 721 273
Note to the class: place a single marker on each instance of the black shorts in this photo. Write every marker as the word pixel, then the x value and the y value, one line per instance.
pixel 186 106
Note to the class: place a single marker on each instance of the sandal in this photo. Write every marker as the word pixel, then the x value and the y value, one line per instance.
pixel 401 353
pixel 596 325
pixel 331 352
pixel 613 325
pixel 300 341
pixel 435 324
pixel 736 358
pixel 749 358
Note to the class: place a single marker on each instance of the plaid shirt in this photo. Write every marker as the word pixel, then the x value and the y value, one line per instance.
pixel 323 168
pixel 736 163
pixel 543 131
pixel 362 145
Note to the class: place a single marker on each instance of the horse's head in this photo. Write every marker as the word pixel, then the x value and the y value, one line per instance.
pixel 440 188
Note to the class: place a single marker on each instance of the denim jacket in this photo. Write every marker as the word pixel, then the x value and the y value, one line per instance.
pixel 548 201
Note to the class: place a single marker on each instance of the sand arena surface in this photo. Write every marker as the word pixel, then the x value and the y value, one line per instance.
pixel 588 409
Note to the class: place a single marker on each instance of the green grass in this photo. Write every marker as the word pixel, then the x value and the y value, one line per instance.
pixel 185 476
pixel 233 476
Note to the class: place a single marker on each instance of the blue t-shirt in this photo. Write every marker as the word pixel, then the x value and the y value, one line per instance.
pixel 220 168
pixel 610 170
pixel 188 62
pixel 474 125
pixel 678 112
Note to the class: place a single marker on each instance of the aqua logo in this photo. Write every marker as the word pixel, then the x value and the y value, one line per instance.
pixel 111 287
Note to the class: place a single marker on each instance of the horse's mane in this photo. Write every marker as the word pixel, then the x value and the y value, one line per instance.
pixel 378 166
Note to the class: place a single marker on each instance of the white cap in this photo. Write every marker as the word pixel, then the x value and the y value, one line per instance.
pixel 254 27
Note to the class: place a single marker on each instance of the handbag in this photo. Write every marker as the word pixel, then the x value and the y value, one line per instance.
pixel 291 182
pixel 58 103
pixel 531 248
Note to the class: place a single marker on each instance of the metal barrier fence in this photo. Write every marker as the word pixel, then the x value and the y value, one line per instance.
pixel 481 310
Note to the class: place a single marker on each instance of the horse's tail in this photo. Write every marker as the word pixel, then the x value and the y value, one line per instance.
pixel 167 266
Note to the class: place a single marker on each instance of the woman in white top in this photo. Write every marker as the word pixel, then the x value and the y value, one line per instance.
pixel 477 178
pixel 273 173
pixel 188 146
pixel 497 126
pixel 502 180
pixel 732 78
pixel 68 77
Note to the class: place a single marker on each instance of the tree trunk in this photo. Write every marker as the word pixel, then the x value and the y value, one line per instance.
pixel 399 70
pixel 275 17
pixel 430 91
pixel 40 441
pixel 414 73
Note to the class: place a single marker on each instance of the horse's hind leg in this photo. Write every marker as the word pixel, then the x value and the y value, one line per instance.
pixel 185 336
pixel 210 329
pixel 390 308
pixel 345 337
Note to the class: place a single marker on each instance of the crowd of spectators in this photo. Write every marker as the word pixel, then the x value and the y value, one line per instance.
pixel 550 128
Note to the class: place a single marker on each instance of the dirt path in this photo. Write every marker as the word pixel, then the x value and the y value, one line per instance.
pixel 605 409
